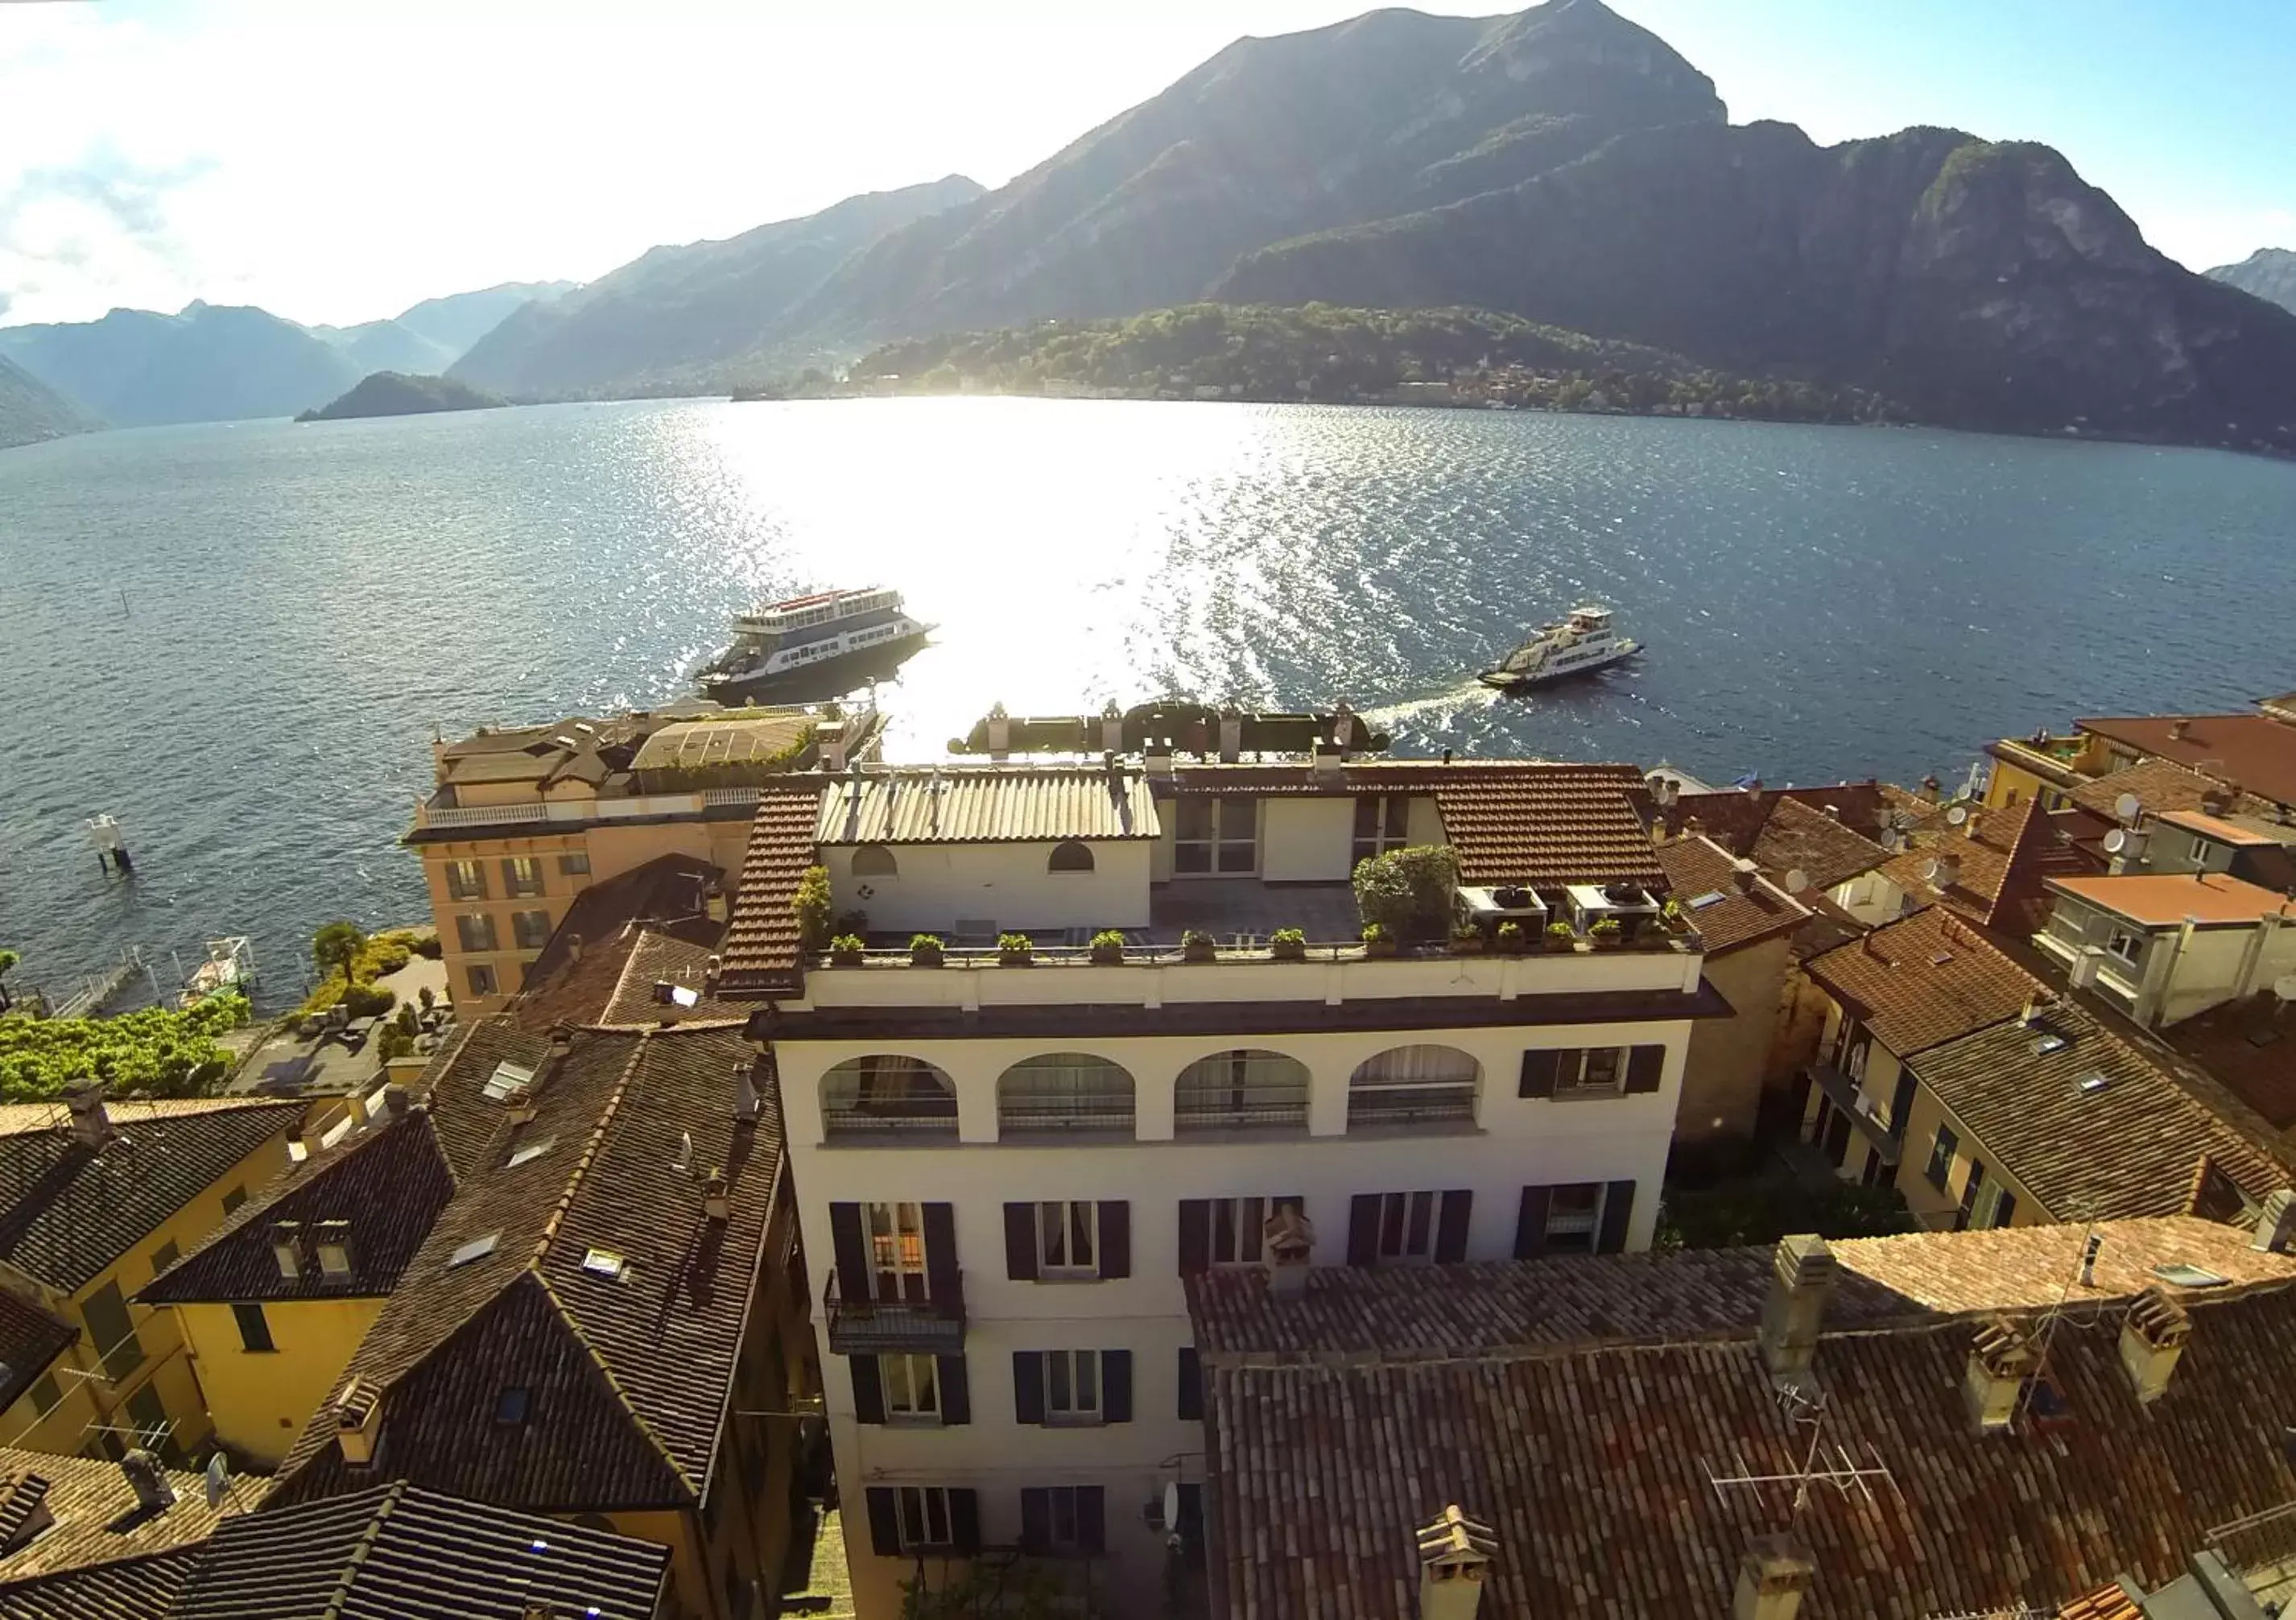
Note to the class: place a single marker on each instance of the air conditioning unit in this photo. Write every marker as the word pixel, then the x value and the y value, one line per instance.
pixel 1629 903
pixel 1503 903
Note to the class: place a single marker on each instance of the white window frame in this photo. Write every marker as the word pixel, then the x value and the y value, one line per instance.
pixel 1398 1214
pixel 1061 1502
pixel 921 1510
pixel 1060 1241
pixel 910 1384
pixel 1235 1229
pixel 1222 809
pixel 1565 1226
pixel 895 1233
pixel 1581 1079
pixel 2127 945
pixel 1075 1390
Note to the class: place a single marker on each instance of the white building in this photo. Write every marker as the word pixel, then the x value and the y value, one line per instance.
pixel 1004 1172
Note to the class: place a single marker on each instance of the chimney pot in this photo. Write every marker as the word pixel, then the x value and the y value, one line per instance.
pixel 573 947
pixel 2152 1337
pixel 91 1122
pixel 2000 1359
pixel 1287 1242
pixel 1833 812
pixel 395 1100
pixel 1794 1313
pixel 1774 1574
pixel 561 1040
pixel 153 1493
pixel 745 1092
pixel 718 1196
pixel 1455 1556
pixel 2276 1222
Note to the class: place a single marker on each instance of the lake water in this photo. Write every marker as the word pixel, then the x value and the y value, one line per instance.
pixel 239 637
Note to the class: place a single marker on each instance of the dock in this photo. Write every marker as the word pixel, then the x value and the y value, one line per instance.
pixel 96 988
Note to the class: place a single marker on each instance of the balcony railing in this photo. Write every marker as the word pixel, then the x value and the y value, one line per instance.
pixel 1280 1106
pixel 1376 1107
pixel 1054 1115
pixel 890 1121
pixel 870 1326
pixel 427 814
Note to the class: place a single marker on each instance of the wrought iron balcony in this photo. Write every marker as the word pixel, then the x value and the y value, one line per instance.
pixel 871 1326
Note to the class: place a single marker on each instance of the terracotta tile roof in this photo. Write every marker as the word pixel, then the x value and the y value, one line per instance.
pixel 2162 901
pixel 575 983
pixel 1698 866
pixel 1593 1467
pixel 2222 831
pixel 1826 852
pixel 2094 1129
pixel 31 1336
pixel 676 957
pixel 126 1589
pixel 62 1513
pixel 2250 1049
pixel 986 804
pixel 1529 823
pixel 761 940
pixel 2105 1603
pixel 628 1376
pixel 1925 979
pixel 2158 786
pixel 71 1212
pixel 2251 751
pixel 1734 817
pixel 389 1179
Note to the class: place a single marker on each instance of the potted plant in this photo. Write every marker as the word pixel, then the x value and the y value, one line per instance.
pixel 1509 938
pixel 1467 941
pixel 1678 916
pixel 1197 946
pixel 1379 940
pixel 1107 948
pixel 1559 936
pixel 812 905
pixel 1288 945
pixel 1014 950
pixel 924 951
pixel 845 950
pixel 1608 933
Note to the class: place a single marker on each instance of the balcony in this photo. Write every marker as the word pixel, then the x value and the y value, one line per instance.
pixel 435 813
pixel 1849 1099
pixel 871 1326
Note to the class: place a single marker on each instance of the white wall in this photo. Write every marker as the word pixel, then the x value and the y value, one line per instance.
pixel 1008 883
pixel 1304 840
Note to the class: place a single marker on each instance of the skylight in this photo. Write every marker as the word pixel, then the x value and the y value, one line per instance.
pixel 2094 1080
pixel 2187 1276
pixel 511 1406
pixel 1712 897
pixel 472 1250
pixel 507 1078
pixel 2043 1045
pixel 603 1262
pixel 530 1152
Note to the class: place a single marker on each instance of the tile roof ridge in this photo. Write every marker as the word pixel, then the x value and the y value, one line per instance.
pixel 367 1537
pixel 590 1354
pixel 590 1150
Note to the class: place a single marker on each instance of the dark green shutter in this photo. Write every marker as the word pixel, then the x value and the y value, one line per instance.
pixel 1195 1235
pixel 1021 1242
pixel 1645 1068
pixel 956 1389
pixel 965 1518
pixel 868 1389
pixel 1363 1229
pixel 1451 1226
pixel 1539 1067
pixel 1115 1239
pixel 1116 1386
pixel 1036 1518
pixel 1192 1384
pixel 1530 1225
pixel 942 1280
pixel 884 1523
pixel 1028 1386
pixel 1092 1518
pixel 851 1250
pixel 1617 1210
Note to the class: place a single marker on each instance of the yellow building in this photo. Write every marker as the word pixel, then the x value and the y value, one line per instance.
pixel 2250 756
pixel 520 821
pixel 101 1198
pixel 273 1306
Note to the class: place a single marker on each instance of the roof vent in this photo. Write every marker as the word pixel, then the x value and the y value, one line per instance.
pixel 1455 1559
pixel 358 1421
pixel 718 1196
pixel 2179 729
pixel 153 1493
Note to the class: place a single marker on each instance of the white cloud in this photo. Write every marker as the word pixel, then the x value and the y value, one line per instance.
pixel 2201 239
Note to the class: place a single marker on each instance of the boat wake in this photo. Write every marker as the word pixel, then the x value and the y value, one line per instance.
pixel 1440 705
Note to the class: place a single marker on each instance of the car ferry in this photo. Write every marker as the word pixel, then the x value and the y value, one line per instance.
pixel 1579 644
pixel 811 642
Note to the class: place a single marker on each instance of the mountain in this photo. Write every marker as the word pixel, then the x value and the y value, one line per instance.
pixel 1981 284
pixel 389 345
pixel 209 363
pixel 387 393
pixel 433 334
pixel 2268 273
pixel 685 309
pixel 31 411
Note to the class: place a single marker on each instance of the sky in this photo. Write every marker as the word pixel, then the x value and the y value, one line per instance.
pixel 337 161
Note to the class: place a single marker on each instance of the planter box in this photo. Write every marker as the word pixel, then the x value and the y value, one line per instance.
pixel 1288 952
pixel 1559 944
pixel 1200 953
pixel 1380 948
pixel 845 959
pixel 1469 947
pixel 925 959
pixel 1015 958
pixel 1108 956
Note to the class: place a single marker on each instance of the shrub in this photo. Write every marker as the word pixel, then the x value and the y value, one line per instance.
pixel 405 1021
pixel 1015 944
pixel 368 1001
pixel 430 998
pixel 811 906
pixel 1288 936
pixel 1511 934
pixel 395 1042
pixel 1198 938
pixel 1606 928
pixel 1108 937
pixel 1762 1211
pixel 1409 891
pixel 1377 933
pixel 1559 930
pixel 153 1053
pixel 426 945
pixel 849 944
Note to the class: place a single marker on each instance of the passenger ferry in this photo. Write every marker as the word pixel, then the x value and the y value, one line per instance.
pixel 811 641
pixel 1579 644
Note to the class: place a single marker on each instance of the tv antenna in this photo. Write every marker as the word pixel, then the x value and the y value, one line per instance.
pixel 1835 1467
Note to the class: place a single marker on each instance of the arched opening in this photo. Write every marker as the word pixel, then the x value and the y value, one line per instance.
pixel 1413 1085
pixel 1069 857
pixel 1064 1092
pixel 886 1094
pixel 875 860
pixel 1230 1090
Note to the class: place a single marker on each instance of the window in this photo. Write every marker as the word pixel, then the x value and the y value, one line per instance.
pixel 165 1255
pixel 2005 1207
pixel 507 1081
pixel 1574 1217
pixel 466 880
pixel 482 979
pixel 475 930
pixel 1972 1189
pixel 574 865
pixel 925 1516
pixel 1064 1091
pixel 254 1327
pixel 47 1395
pixel 912 1388
pixel 1398 1229
pixel 1413 1085
pixel 2127 945
pixel 1231 1090
pixel 1573 1214
pixel 233 1199
pixel 1941 1152
pixel 1592 1071
pixel 1071 1386
pixel 526 1153
pixel 522 876
pixel 1068 1239
pixel 511 1405
pixel 1382 821
pixel 897 1250
pixel 1069 857
pixel 1191 1385
pixel 875 860
pixel 1065 1518
pixel 531 929
pixel 1226 1231
pixel 1216 834
pixel 477 1248
pixel 112 1331
pixel 885 1094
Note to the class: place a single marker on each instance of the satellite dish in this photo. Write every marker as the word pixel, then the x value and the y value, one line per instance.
pixel 1932 870
pixel 1171 1505
pixel 2285 987
pixel 1958 814
pixel 2127 807
pixel 218 1477
pixel 1797 880
pixel 2116 840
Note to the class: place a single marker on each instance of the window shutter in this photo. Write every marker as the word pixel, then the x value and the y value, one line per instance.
pixel 1036 1518
pixel 1530 1225
pixel 1901 1102
pixel 1451 1226
pixel 1539 1066
pixel 965 1518
pixel 1617 1210
pixel 1192 1384
pixel 868 1389
pixel 956 1389
pixel 1028 1386
pixel 1116 1386
pixel 884 1523
pixel 1115 1238
pixel 851 1250
pixel 1195 1235
pixel 1021 1242
pixel 2006 1209
pixel 1363 1229
pixel 1646 1068
pixel 1092 1518
pixel 941 1276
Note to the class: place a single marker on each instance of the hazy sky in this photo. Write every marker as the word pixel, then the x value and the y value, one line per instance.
pixel 335 161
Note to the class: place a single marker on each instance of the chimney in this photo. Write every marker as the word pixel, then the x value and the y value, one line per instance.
pixel 2152 1337
pixel 1692 827
pixel 718 1196
pixel 1747 874
pixel 395 1100
pixel 2091 1247
pixel 1833 812
pixel 2276 1222
pixel 287 1248
pixel 153 1493
pixel 1159 757
pixel 714 904
pixel 1231 734
pixel 1000 731
pixel 1774 1574
pixel 2000 1359
pixel 1328 761
pixel 1930 786
pixel 829 744
pixel 1287 1241
pixel 1343 726
pixel 1111 729
pixel 1943 871
pixel 91 1125
pixel 1800 1279
pixel 573 947
pixel 333 1242
pixel 2179 729
pixel 561 1042
pixel 358 1422
pixel 711 971
pixel 745 1092
pixel 1455 1558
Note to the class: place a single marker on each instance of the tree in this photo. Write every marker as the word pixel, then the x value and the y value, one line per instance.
pixel 8 960
pixel 336 948
pixel 1409 890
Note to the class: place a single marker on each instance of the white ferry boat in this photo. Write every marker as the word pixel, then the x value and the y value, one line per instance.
pixel 811 641
pixel 1579 644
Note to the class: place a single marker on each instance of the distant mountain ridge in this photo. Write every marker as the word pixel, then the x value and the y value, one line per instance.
pixel 2268 274
pixel 208 363
pixel 31 411
pixel 389 393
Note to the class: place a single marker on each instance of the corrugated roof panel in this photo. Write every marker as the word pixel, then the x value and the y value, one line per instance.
pixel 991 806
